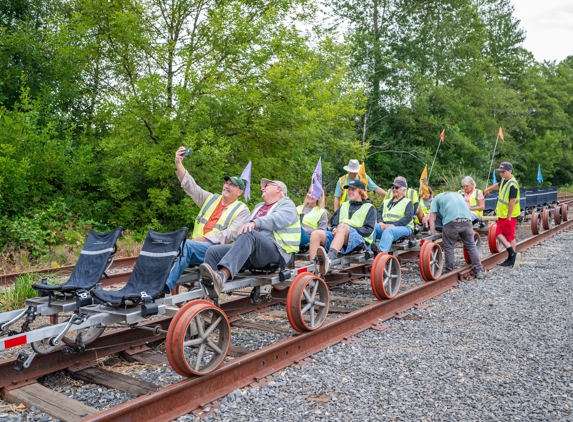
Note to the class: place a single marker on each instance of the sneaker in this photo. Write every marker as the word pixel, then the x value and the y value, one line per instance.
pixel 375 248
pixel 506 263
pixel 323 261
pixel 481 225
pixel 480 275
pixel 516 260
pixel 216 277
pixel 425 229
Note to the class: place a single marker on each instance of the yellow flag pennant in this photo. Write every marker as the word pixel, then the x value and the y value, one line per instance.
pixel 362 174
pixel 424 182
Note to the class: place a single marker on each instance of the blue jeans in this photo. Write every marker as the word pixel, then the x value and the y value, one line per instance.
pixel 304 237
pixel 354 241
pixel 377 232
pixel 391 234
pixel 193 254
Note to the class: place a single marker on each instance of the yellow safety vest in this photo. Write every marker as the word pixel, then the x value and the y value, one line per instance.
pixel 425 211
pixel 358 218
pixel 343 181
pixel 411 194
pixel 397 212
pixel 474 200
pixel 287 238
pixel 227 216
pixel 502 206
pixel 311 219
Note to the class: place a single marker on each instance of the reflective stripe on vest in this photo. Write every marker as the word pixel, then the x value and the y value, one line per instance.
pixel 227 216
pixel 288 237
pixel 343 181
pixel 411 194
pixel 358 218
pixel 397 212
pixel 474 200
pixel 310 220
pixel 502 206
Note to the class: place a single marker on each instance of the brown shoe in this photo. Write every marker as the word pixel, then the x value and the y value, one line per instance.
pixel 215 277
pixel 323 261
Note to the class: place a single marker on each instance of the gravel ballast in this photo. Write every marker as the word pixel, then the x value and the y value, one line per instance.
pixel 493 349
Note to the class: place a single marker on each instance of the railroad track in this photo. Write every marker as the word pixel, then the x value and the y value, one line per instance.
pixel 244 366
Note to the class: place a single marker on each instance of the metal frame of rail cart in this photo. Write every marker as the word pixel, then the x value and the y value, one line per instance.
pixel 199 335
pixel 95 259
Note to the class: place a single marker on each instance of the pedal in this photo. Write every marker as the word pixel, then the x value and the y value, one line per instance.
pixel 24 360
pixel 20 360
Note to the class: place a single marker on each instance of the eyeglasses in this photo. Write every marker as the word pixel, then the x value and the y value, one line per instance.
pixel 395 187
pixel 466 186
pixel 269 184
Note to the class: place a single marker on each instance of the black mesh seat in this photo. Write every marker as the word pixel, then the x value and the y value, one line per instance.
pixel 155 261
pixel 91 265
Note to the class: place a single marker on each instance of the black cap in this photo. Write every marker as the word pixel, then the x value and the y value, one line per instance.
pixel 505 166
pixel 356 184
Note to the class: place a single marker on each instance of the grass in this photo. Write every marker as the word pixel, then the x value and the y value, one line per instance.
pixel 15 296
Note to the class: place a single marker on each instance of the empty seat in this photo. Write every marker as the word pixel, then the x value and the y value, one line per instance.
pixel 91 264
pixel 155 261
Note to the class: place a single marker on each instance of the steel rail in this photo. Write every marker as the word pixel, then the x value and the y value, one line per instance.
pixel 187 395
pixel 116 278
pixel 110 343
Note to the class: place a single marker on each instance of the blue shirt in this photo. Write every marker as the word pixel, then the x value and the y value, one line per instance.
pixel 450 205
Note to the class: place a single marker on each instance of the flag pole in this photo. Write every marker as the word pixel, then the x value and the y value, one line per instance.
pixel 492 158
pixel 436 154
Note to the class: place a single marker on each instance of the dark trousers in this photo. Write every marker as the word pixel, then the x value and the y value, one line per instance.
pixel 250 250
pixel 465 231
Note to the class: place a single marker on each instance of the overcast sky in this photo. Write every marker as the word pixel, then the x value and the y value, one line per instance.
pixel 549 26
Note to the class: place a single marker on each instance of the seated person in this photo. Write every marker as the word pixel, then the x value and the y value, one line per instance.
pixel 270 237
pixel 412 195
pixel 425 205
pixel 313 217
pixel 396 215
pixel 474 199
pixel 217 223
pixel 352 227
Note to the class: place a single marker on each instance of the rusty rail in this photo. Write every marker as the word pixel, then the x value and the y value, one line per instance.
pixel 187 395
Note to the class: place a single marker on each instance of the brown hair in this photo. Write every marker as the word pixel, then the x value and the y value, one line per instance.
pixel 363 194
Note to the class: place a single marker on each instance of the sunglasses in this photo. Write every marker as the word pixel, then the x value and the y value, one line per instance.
pixel 395 187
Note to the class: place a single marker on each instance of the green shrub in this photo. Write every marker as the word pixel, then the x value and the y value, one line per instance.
pixel 15 296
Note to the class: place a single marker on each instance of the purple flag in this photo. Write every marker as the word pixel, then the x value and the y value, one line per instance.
pixel 246 175
pixel 317 190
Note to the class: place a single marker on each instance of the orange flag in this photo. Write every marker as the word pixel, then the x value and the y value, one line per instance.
pixel 362 174
pixel 500 134
pixel 442 134
pixel 424 182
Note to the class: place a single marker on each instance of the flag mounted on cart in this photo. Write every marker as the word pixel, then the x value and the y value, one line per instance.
pixel 539 176
pixel 362 174
pixel 317 190
pixel 246 175
pixel 424 182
